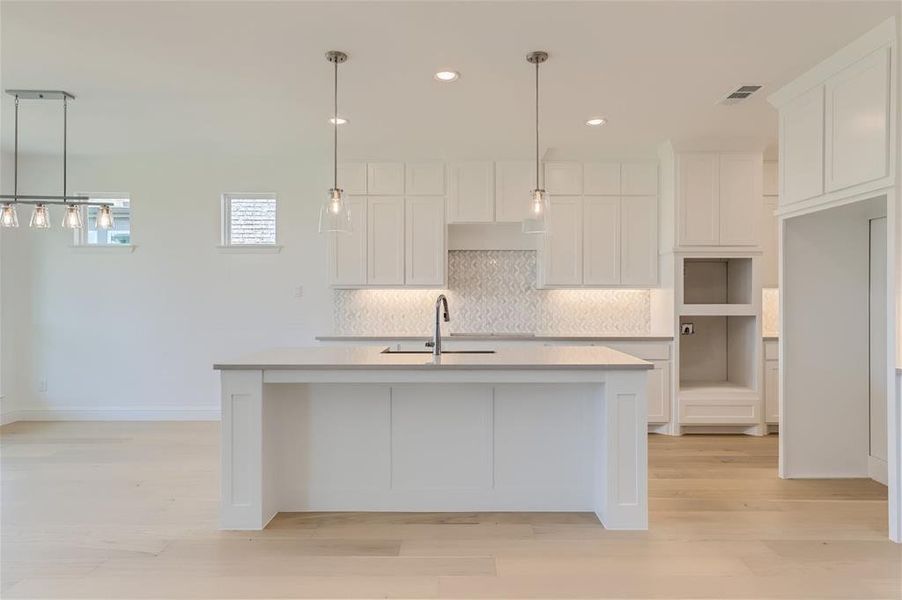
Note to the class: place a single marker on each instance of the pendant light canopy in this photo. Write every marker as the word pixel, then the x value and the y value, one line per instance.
pixel 537 221
pixel 40 218
pixel 335 215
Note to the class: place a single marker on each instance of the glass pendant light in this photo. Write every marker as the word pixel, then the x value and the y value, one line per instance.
pixel 537 221
pixel 40 218
pixel 105 217
pixel 8 217
pixel 335 215
pixel 72 218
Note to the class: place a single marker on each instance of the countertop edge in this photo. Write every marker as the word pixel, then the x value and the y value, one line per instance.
pixel 492 338
pixel 429 367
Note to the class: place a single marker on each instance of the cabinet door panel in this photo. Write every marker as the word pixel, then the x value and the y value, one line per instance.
pixel 699 217
pixel 857 122
pixel 471 193
pixel 513 182
pixel 352 177
pixel 601 240
pixel 424 260
pixel 385 241
pixel 385 178
pixel 771 391
pixel 740 199
pixel 659 393
pixel 564 178
pixel 425 179
pixel 639 240
pixel 348 250
pixel 562 248
pixel 802 147
pixel 601 178
pixel 639 178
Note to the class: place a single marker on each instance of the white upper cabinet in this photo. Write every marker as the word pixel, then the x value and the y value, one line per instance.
pixel 697 199
pixel 639 240
pixel 639 179
pixel 352 177
pixel 601 178
pixel 564 178
pixel 561 263
pixel 347 256
pixel 601 240
pixel 802 147
pixel 857 122
pixel 718 199
pixel 740 199
pixel 513 182
pixel 385 240
pixel 424 251
pixel 385 178
pixel 471 192
pixel 770 184
pixel 425 179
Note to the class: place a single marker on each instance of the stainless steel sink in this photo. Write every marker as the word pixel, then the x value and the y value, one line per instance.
pixel 419 349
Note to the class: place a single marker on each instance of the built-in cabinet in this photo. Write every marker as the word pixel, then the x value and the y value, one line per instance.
pixel 718 199
pixel 396 239
pixel 770 227
pixel 836 124
pixel 771 382
pixel 471 192
pixel 604 232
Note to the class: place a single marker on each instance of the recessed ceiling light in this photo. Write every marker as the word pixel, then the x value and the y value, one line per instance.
pixel 337 121
pixel 447 76
pixel 596 121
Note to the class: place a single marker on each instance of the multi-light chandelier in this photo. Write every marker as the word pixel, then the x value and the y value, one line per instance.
pixel 40 216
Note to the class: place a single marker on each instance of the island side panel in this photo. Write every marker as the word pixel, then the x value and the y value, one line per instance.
pixel 243 504
pixel 621 451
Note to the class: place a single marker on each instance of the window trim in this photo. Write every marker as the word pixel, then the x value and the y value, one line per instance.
pixel 225 229
pixel 80 236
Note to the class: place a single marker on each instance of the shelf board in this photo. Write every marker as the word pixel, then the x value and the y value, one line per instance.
pixel 718 310
pixel 714 388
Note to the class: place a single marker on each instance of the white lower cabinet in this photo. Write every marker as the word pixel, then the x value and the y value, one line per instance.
pixel 771 382
pixel 659 393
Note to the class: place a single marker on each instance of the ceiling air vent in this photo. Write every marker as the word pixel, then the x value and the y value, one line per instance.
pixel 740 94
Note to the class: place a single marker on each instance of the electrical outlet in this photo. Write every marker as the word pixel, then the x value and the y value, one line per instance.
pixel 299 291
pixel 687 328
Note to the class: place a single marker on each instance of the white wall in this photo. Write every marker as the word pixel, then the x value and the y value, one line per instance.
pixel 136 334
pixel 824 356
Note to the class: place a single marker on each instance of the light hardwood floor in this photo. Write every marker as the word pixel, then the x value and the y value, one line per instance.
pixel 129 510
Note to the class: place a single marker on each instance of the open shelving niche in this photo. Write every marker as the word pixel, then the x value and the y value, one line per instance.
pixel 719 379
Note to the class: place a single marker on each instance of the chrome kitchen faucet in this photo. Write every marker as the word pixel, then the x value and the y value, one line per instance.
pixel 436 342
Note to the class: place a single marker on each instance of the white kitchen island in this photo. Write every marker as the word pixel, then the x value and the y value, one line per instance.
pixel 358 429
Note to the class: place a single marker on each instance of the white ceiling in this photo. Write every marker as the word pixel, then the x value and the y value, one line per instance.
pixel 250 77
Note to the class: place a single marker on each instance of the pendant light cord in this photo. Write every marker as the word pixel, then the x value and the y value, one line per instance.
pixel 335 130
pixel 16 153
pixel 537 125
pixel 65 140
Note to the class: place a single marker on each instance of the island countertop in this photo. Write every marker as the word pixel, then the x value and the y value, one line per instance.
pixel 373 358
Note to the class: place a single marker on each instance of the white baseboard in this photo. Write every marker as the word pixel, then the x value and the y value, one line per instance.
pixel 877 470
pixel 112 414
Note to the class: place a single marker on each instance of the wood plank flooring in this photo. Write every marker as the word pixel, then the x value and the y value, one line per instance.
pixel 129 510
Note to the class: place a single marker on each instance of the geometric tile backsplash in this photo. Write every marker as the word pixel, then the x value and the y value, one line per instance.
pixel 493 291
